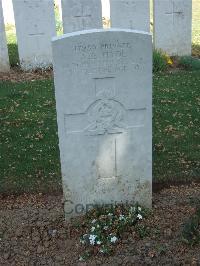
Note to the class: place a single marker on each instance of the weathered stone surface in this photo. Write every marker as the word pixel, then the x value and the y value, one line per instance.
pixel 4 60
pixel 81 15
pixel 35 27
pixel 131 14
pixel 173 26
pixel 103 82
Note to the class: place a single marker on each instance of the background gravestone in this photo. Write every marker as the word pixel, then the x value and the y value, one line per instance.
pixel 81 15
pixel 103 83
pixel 173 26
pixel 35 26
pixel 131 14
pixel 4 60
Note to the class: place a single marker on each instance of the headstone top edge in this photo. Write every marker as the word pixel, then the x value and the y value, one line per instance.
pixel 84 32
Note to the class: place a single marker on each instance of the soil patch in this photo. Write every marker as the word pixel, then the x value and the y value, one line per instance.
pixel 33 232
pixel 17 75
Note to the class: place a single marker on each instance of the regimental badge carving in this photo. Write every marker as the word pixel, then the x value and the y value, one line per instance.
pixel 106 116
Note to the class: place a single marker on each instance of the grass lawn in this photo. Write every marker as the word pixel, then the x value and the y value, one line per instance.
pixel 176 134
pixel 29 144
pixel 28 140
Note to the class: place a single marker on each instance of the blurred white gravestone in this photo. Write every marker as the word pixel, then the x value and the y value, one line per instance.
pixel 173 26
pixel 131 14
pixel 103 84
pixel 81 15
pixel 35 27
pixel 4 60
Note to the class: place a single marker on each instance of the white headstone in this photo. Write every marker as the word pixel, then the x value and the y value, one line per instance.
pixel 173 26
pixel 103 83
pixel 131 14
pixel 4 60
pixel 35 27
pixel 81 15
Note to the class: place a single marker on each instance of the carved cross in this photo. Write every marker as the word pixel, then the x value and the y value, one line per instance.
pixel 82 14
pixel 174 13
pixel 105 116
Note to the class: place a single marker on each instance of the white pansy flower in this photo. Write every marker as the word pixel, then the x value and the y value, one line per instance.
pixel 94 221
pixel 92 229
pixel 98 242
pixel 139 209
pixel 139 216
pixel 92 239
pixel 110 214
pixel 121 217
pixel 113 239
